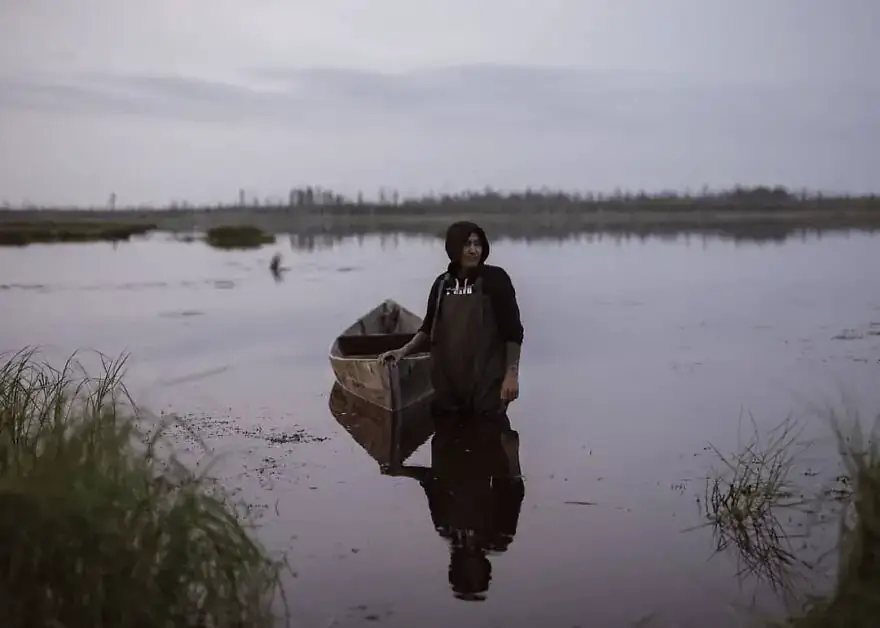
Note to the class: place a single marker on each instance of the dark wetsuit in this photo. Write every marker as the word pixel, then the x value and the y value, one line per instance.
pixel 470 318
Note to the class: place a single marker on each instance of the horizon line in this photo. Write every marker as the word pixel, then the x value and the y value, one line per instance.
pixel 395 198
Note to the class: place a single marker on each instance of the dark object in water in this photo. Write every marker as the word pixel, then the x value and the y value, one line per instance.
pixel 277 269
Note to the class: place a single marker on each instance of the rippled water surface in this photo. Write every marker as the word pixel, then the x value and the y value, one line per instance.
pixel 637 354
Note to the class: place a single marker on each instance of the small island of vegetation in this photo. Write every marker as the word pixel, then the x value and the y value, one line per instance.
pixel 238 237
pixel 38 231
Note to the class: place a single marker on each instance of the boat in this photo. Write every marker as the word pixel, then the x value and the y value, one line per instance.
pixel 388 437
pixel 354 353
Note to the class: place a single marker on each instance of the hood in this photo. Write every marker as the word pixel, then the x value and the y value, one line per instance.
pixel 456 236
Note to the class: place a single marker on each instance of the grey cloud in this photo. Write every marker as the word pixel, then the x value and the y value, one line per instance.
pixel 474 98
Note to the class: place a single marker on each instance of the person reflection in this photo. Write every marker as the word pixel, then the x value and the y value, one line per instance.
pixel 475 491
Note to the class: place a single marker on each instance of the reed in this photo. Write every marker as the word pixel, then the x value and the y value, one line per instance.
pixel 101 525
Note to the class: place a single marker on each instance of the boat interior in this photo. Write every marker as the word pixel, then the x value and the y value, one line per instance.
pixel 385 328
pixel 370 345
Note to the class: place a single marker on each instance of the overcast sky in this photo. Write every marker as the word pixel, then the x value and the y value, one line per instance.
pixel 193 99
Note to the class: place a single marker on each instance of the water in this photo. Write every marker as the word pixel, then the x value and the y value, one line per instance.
pixel 636 355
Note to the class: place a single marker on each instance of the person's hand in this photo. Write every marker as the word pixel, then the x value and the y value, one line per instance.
pixel 510 387
pixel 390 357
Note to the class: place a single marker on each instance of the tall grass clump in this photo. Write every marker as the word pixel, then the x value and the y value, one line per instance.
pixel 748 500
pixel 855 599
pixel 238 237
pixel 98 527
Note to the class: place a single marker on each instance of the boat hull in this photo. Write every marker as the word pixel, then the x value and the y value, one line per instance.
pixel 353 358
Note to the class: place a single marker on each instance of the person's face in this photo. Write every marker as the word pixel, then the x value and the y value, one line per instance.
pixel 473 251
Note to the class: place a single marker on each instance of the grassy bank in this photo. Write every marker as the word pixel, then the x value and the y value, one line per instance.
pixel 238 237
pixel 98 527
pixel 38 231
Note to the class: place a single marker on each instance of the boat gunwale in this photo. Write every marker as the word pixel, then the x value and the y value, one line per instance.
pixel 335 354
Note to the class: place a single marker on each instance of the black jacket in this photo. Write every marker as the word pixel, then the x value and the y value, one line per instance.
pixel 496 284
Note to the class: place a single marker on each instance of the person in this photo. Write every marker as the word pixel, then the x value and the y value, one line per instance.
pixel 473 329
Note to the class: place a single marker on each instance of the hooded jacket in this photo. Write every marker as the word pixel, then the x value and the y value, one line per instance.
pixel 496 283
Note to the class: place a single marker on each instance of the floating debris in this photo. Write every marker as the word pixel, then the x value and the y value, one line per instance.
pixel 848 334
pixel 181 314
pixel 282 438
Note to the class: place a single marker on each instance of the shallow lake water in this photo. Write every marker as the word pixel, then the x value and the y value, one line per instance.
pixel 637 354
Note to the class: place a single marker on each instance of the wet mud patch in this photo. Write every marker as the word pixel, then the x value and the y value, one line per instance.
pixel 24 286
pixel 871 329
pixel 193 426
pixel 249 462
pixel 367 613
pixel 866 352
pixel 267 470
pixel 297 435
pixel 849 334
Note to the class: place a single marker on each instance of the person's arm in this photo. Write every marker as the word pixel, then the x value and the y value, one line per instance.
pixel 512 357
pixel 413 346
pixel 509 321
pixel 424 333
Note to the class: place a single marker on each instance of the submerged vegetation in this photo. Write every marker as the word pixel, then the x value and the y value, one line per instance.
pixel 750 498
pixel 23 232
pixel 238 237
pixel 99 527
pixel 744 502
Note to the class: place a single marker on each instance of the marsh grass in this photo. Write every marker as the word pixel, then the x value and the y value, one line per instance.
pixel 855 600
pixel 22 233
pixel 238 237
pixel 748 499
pixel 100 525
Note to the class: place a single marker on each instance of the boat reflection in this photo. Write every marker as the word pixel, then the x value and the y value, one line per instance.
pixel 389 437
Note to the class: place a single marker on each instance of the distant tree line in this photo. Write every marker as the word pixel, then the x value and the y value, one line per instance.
pixel 318 200
pixel 758 198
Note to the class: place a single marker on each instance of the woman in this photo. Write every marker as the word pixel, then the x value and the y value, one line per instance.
pixel 473 328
